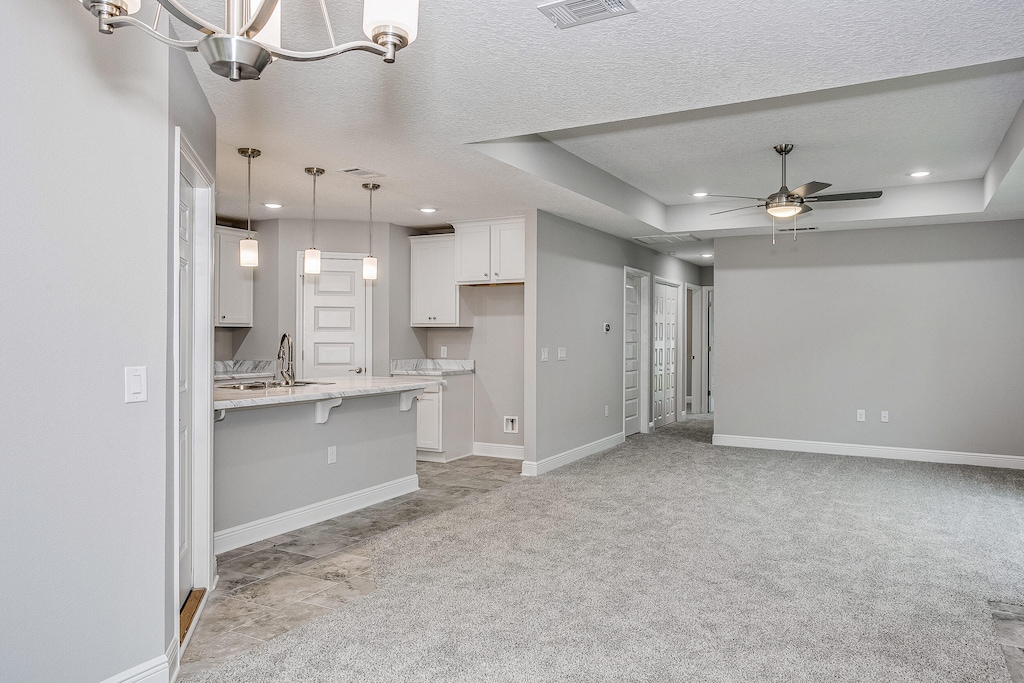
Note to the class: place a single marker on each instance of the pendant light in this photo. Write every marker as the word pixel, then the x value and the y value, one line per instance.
pixel 369 262
pixel 249 248
pixel 311 258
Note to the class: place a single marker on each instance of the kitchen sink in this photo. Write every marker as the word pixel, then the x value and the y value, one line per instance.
pixel 248 386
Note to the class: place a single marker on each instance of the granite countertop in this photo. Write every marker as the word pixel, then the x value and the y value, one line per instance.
pixel 330 387
pixel 432 366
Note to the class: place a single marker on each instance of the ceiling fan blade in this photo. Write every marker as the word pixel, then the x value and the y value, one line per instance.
pixel 733 196
pixel 845 196
pixel 804 209
pixel 810 188
pixel 739 209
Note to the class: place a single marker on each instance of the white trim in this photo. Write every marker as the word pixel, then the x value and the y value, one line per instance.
pixel 174 651
pixel 533 469
pixel 498 450
pixel 646 314
pixel 283 522
pixel 153 671
pixel 1015 462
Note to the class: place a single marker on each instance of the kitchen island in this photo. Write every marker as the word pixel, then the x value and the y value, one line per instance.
pixel 288 457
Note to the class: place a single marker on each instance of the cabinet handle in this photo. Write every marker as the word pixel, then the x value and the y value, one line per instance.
pixel 485 274
pixel 495 275
pixel 222 317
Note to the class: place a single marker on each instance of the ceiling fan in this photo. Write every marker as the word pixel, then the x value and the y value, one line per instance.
pixel 787 203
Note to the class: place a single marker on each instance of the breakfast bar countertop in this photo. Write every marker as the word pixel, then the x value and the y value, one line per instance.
pixel 326 388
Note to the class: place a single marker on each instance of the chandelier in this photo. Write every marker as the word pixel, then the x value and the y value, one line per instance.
pixel 247 44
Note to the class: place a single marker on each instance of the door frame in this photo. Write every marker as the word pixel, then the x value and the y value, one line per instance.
pixel 680 348
pixel 646 426
pixel 300 280
pixel 699 350
pixel 204 562
pixel 707 300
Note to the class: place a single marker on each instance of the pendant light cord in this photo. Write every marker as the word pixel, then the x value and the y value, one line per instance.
pixel 248 201
pixel 369 228
pixel 314 210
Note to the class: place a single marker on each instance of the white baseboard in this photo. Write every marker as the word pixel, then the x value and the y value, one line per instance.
pixel 891 452
pixel 268 527
pixel 533 469
pixel 155 670
pixel 173 652
pixel 498 450
pixel 442 457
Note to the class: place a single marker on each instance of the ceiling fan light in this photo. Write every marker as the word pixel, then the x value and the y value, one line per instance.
pixel 784 211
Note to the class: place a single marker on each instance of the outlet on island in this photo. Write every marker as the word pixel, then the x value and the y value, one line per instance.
pixel 332 455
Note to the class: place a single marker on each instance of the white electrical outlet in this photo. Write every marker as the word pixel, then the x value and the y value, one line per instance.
pixel 606 411
pixel 332 455
pixel 861 416
pixel 444 352
pixel 561 353
pixel 885 416
pixel 511 424
pixel 544 354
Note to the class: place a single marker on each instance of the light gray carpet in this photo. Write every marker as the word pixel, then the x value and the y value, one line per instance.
pixel 668 559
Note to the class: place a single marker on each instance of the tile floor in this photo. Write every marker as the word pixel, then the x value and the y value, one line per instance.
pixel 1008 624
pixel 270 587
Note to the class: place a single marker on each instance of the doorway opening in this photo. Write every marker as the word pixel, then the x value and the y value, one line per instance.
pixel 666 352
pixel 699 349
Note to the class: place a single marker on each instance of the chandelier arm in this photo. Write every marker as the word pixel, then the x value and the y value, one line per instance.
pixel 182 14
pixel 294 56
pixel 122 21
pixel 259 18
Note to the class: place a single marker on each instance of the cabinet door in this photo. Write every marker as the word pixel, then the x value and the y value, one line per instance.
pixel 233 282
pixel 428 421
pixel 508 252
pixel 434 294
pixel 473 254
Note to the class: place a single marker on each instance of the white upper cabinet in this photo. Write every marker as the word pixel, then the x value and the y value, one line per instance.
pixel 233 304
pixel 434 299
pixel 491 251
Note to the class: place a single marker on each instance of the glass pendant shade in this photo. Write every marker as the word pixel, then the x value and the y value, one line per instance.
pixel 249 252
pixel 369 268
pixel 311 261
pixel 403 14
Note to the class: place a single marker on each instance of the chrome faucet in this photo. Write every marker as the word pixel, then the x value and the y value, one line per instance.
pixel 286 354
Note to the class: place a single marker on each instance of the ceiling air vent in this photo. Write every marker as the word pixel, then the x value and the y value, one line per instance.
pixel 675 238
pixel 569 13
pixel 800 229
pixel 361 173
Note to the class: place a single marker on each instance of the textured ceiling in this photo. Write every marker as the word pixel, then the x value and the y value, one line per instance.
pixel 673 99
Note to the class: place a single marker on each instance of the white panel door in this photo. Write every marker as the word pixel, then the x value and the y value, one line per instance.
pixel 631 354
pixel 186 213
pixel 334 326
pixel 666 303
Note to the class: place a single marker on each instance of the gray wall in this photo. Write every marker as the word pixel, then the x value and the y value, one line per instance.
pixel 925 322
pixel 84 484
pixel 274 285
pixel 579 286
pixel 273 460
pixel 495 342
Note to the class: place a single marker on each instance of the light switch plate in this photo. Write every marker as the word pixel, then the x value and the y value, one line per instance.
pixel 561 353
pixel 543 354
pixel 135 384
pixel 861 416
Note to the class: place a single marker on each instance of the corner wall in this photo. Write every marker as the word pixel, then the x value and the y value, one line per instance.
pixel 579 286
pixel 925 322
pixel 83 476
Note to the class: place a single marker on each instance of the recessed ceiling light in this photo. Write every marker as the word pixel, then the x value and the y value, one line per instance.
pixel 920 174
pixel 271 205
pixel 700 194
pixel 425 210
pixel 706 255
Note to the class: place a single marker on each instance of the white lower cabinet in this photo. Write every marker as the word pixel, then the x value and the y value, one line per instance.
pixel 428 420
pixel 444 420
